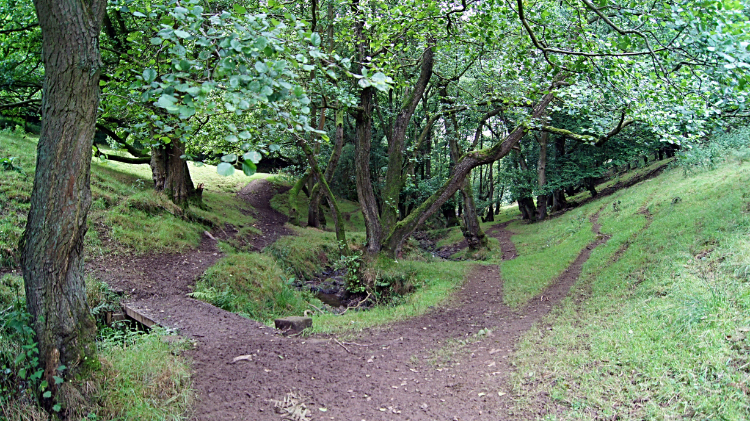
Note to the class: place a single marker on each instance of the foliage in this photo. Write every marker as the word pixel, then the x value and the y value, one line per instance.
pixel 253 285
pixel 731 145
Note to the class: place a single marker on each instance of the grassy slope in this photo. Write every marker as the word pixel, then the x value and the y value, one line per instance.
pixel 661 334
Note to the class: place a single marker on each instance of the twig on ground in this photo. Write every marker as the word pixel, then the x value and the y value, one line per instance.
pixel 342 345
pixel 358 304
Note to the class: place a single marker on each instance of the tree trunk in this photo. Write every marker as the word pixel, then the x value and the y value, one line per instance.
pixel 171 174
pixel 590 185
pixel 404 228
pixel 559 202
pixel 394 177
pixel 541 201
pixel 292 197
pixel 316 219
pixel 363 139
pixel 52 246
pixel 526 202
pixel 471 229
pixel 337 217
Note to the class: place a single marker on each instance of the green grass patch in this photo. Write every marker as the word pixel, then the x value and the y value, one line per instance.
pixel 142 378
pixel 663 334
pixel 351 212
pixel 436 281
pixel 253 285
pixel 307 252
pixel 15 192
pixel 545 250
pixel 136 376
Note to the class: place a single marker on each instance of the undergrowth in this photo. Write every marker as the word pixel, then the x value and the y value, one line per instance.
pixel 136 376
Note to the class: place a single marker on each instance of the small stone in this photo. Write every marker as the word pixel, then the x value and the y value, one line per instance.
pixel 293 324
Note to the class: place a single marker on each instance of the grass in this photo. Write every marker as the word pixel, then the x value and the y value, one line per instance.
pixel 661 333
pixel 126 214
pixel 136 376
pixel 253 285
pixel 545 250
pixel 308 251
pixel 353 219
pixel 200 173
pixel 15 190
pixel 437 280
pixel 448 236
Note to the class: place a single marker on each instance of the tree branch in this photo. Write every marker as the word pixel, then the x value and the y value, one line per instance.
pixel 21 29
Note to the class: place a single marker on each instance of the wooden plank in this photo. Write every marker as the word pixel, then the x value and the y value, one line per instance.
pixel 139 317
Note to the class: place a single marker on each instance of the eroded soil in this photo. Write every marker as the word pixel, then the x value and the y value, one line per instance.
pixel 449 364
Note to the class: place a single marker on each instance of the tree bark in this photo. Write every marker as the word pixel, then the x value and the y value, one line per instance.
pixel 475 237
pixel 526 201
pixel 171 174
pixel 541 201
pixel 363 119
pixel 394 177
pixel 315 218
pixel 337 217
pixel 52 246
pixel 292 198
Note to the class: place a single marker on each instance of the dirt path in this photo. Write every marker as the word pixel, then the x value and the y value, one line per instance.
pixel 450 364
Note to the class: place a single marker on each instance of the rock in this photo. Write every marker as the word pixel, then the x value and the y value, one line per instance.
pixel 293 324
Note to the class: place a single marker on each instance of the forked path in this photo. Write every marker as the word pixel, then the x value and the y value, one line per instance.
pixel 439 366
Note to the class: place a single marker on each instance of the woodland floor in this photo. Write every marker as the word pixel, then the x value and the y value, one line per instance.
pixel 440 366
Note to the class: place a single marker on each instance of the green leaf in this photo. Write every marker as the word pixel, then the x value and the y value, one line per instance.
pixel 156 41
pixel 244 135
pixel 261 67
pixel 58 380
pixel 379 77
pixel 274 147
pixel 56 407
pixel 167 102
pixel 248 168
pixel 252 156
pixel 240 9
pixel 231 138
pixel 225 169
pixel 315 39
pixel 149 75
pixel 229 158
pixel 47 395
pixel 22 373
pixel 182 34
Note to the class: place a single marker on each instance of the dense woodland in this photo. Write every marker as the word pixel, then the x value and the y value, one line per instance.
pixel 428 114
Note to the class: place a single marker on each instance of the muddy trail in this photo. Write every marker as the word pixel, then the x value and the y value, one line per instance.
pixel 449 364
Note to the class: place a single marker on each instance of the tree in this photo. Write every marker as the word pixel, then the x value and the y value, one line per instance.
pixel 52 249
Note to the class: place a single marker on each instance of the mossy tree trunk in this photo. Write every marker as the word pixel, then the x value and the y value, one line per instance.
pixel 541 168
pixel 171 174
pixel 314 216
pixel 394 176
pixel 471 229
pixel 363 143
pixel 395 239
pixel 52 248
